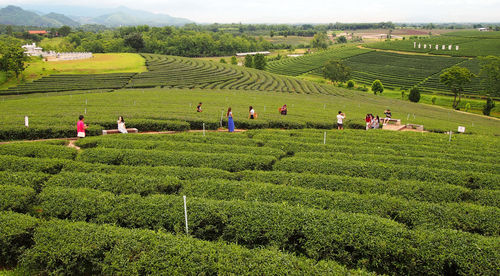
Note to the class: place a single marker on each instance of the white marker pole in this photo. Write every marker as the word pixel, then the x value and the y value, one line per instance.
pixel 324 106
pixel 186 215
pixel 85 101
pixel 449 140
pixel 85 111
pixel 26 121
pixel 203 129
pixel 324 139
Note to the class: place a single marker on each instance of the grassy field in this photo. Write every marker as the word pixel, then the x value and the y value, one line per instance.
pixel 138 106
pixel 99 64
pixel 261 202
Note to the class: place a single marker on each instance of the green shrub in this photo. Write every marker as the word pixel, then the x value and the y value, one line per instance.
pixel 116 183
pixel 16 198
pixel 15 237
pixel 433 99
pixel 83 248
pixel 414 95
pixel 20 164
pixel 32 180
pixel 37 150
pixel 467 107
pixel 377 87
pixel 350 84
pixel 490 104
pixel 44 132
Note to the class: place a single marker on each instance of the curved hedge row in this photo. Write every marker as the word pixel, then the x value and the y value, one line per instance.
pixel 229 162
pixel 176 146
pixel 403 188
pixel 16 198
pixel 83 248
pixel 116 183
pixel 377 244
pixel 15 237
pixel 38 150
pixel 384 171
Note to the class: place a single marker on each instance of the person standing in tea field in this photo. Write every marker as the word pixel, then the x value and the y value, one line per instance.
pixel 81 127
pixel 230 122
pixel 251 113
pixel 198 108
pixel 340 120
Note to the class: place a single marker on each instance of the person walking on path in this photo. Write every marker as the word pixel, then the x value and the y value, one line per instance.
pixel 81 127
pixel 251 113
pixel 121 125
pixel 230 122
pixel 340 120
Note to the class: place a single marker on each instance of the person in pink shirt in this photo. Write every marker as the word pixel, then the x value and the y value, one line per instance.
pixel 81 127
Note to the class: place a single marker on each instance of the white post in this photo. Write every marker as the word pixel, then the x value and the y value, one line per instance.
pixel 85 111
pixel 264 108
pixel 203 129
pixel 449 140
pixel 26 121
pixel 324 106
pixel 408 117
pixel 85 101
pixel 186 215
pixel 324 138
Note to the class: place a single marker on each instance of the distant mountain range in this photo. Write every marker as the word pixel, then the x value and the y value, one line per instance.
pixel 121 16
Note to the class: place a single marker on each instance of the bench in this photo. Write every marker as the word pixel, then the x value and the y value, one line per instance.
pixel 395 121
pixel 115 131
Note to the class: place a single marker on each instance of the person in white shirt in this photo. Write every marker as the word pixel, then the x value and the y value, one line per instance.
pixel 340 120
pixel 251 114
pixel 121 125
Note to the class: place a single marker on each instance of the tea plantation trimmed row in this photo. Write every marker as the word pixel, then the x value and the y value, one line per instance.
pixel 60 247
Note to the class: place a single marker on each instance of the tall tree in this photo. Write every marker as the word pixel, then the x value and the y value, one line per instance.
pixel 336 71
pixel 320 41
pixel 377 87
pixel 64 30
pixel 259 61
pixel 13 59
pixel 490 73
pixel 135 41
pixel 249 61
pixel 456 78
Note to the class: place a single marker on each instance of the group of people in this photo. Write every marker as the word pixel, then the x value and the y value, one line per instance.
pixel 371 121
pixel 374 121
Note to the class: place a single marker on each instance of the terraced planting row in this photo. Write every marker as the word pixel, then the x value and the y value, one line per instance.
pixel 396 71
pixel 178 72
pixel 67 82
pixel 303 64
pixel 292 204
pixel 471 44
pixel 432 84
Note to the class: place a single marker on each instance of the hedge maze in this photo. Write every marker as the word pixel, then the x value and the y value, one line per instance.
pixel 263 201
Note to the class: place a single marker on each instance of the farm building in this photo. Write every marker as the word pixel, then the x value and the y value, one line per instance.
pixel 252 53
pixel 41 32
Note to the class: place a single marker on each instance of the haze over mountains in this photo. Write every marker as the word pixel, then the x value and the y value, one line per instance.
pixel 57 16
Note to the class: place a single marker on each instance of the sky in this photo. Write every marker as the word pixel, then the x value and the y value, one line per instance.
pixel 300 11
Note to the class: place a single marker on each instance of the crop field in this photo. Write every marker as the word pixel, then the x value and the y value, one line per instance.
pixel 471 44
pixel 396 71
pixel 99 64
pixel 259 202
pixel 303 64
pixel 53 115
